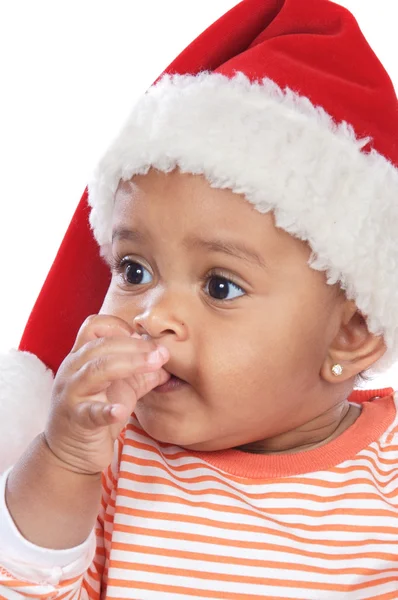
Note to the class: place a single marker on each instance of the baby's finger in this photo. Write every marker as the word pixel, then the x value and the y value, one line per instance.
pixel 104 346
pixel 96 375
pixel 97 326
pixel 145 382
pixel 92 415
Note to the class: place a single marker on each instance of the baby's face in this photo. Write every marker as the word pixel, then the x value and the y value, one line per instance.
pixel 246 321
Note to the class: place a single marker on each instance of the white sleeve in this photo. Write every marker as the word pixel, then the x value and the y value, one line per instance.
pixel 35 563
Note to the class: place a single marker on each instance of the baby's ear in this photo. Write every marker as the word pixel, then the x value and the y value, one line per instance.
pixel 354 348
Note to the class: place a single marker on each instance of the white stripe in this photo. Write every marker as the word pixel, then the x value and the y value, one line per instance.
pixel 229 518
pixel 239 500
pixel 235 552
pixel 293 574
pixel 332 495
pixel 242 587
pixel 336 476
pixel 277 528
pixel 296 505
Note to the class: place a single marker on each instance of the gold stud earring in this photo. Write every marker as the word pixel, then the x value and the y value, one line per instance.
pixel 337 370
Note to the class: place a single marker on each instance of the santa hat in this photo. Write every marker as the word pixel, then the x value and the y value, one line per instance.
pixel 280 100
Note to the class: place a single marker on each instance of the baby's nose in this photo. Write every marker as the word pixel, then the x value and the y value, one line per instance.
pixel 156 324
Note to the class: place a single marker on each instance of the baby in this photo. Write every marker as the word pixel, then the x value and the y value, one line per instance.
pixel 204 439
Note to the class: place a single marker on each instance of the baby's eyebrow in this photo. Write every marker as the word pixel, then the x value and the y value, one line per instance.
pixel 130 235
pixel 232 248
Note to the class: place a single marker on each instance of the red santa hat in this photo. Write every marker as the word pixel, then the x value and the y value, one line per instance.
pixel 280 100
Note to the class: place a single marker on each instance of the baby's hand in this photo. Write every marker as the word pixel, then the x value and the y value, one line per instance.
pixel 96 389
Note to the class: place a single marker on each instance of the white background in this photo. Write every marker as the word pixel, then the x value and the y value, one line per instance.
pixel 69 74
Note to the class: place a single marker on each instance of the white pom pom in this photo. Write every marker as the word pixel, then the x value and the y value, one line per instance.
pixel 25 395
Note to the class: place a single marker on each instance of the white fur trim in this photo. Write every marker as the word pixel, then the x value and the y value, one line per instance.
pixel 25 393
pixel 285 156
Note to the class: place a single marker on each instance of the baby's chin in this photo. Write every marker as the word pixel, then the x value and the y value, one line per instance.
pixel 182 418
pixel 174 428
pixel 179 433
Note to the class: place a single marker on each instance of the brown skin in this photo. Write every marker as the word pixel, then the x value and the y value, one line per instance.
pixel 54 490
pixel 257 365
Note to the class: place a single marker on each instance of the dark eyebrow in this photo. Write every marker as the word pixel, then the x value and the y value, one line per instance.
pixel 236 249
pixel 130 235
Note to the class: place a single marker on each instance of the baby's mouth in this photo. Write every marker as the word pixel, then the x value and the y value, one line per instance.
pixel 174 383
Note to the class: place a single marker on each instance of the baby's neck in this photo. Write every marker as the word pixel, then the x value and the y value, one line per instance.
pixel 318 432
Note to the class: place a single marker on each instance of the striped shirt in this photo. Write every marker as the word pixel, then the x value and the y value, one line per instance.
pixel 315 525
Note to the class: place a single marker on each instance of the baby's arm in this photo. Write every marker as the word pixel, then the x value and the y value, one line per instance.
pixel 29 569
pixel 52 505
pixel 53 493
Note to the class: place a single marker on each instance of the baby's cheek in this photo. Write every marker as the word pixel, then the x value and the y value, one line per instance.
pixel 107 304
pixel 238 367
pixel 118 305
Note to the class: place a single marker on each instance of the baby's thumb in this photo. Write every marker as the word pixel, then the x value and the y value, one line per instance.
pixel 121 400
pixel 149 381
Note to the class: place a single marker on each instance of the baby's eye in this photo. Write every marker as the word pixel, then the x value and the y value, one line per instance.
pixel 221 288
pixel 134 273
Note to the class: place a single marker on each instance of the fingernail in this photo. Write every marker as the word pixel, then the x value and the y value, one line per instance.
pixel 164 353
pixel 154 357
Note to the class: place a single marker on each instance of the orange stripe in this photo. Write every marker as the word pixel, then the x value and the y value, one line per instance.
pixel 180 453
pixel 64 595
pixel 226 525
pixel 224 494
pixel 153 479
pixel 214 541
pixel 383 459
pixel 189 466
pixel 372 470
pixel 71 581
pixel 113 480
pixel 370 512
pixel 105 487
pixel 244 562
pixel 108 535
pixel 201 478
pixel 200 465
pixel 144 445
pixel 95 570
pixel 349 496
pixel 388 596
pixel 373 459
pixel 203 465
pixel 92 593
pixel 390 447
